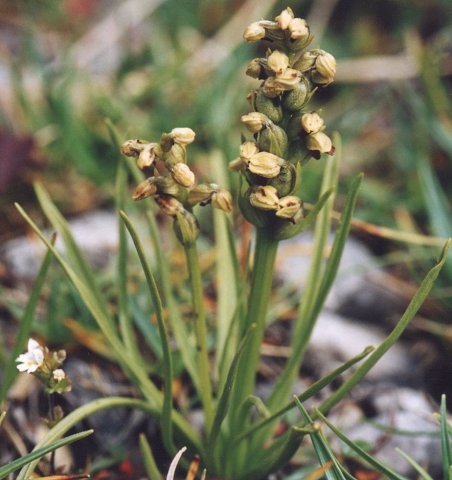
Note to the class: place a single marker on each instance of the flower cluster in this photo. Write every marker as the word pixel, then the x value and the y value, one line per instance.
pixel 172 183
pixel 286 135
pixel 46 366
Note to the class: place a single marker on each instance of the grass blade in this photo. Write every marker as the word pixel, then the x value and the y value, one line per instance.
pixel 411 310
pixel 315 388
pixel 166 422
pixel 445 441
pixel 24 329
pixel 40 452
pixel 149 460
pixel 323 451
pixel 424 475
pixel 381 467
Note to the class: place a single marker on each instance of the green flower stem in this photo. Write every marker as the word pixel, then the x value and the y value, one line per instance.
pixel 261 282
pixel 205 391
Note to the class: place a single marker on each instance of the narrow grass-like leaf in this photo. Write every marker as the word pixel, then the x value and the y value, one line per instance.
pixel 2 417
pixel 308 315
pixel 373 462
pixel 40 452
pixel 79 264
pixel 323 451
pixel 149 460
pixel 227 277
pixel 315 388
pixel 275 456
pixel 223 400
pixel 424 475
pixel 23 333
pixel 445 440
pixel 125 319
pixel 184 339
pixel 136 372
pixel 166 422
pixel 76 416
pixel 411 310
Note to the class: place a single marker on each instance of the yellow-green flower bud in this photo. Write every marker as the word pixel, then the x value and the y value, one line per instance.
pixel 288 79
pixel 183 136
pixel 290 207
pixel 265 164
pixel 186 227
pixel 306 61
pixel 254 121
pixel 277 61
pixel 284 18
pixel 169 205
pixel 166 185
pixel 254 32
pixel 298 97
pixel 254 68
pixel 298 29
pixel 268 106
pixel 200 194
pixel 274 140
pixel 182 175
pixel 312 122
pixel 177 154
pixel 132 148
pixel 325 68
pixel 222 199
pixel 145 189
pixel 320 142
pixel 265 198
pixel 147 156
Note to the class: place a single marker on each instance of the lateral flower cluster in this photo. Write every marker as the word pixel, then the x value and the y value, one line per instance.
pixel 46 366
pixel 286 134
pixel 172 183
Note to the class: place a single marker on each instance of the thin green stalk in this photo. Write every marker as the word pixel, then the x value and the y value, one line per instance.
pixel 205 390
pixel 264 260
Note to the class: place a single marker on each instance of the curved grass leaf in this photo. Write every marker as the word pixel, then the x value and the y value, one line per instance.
pixel 424 475
pixel 373 462
pixel 409 313
pixel 166 423
pixel 40 452
pixel 149 460
pixel 445 441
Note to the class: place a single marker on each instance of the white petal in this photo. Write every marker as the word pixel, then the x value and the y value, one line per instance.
pixel 33 345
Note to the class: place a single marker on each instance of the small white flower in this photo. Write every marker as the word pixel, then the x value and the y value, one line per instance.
pixel 58 374
pixel 31 360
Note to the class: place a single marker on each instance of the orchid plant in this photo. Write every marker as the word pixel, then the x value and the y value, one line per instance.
pixel 243 436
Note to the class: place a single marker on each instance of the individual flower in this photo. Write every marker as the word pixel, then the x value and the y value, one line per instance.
pixel 254 121
pixel 312 122
pixel 325 68
pixel 289 208
pixel 284 18
pixel 254 32
pixel 182 175
pixel 278 61
pixel 32 359
pixel 132 148
pixel 265 198
pixel 222 199
pixel 183 136
pixel 59 375
pixel 320 142
pixel 148 155
pixel 298 28
pixel 265 164
pixel 288 78
pixel 145 189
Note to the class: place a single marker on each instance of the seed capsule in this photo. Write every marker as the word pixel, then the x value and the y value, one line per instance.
pixel 268 106
pixel 298 97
